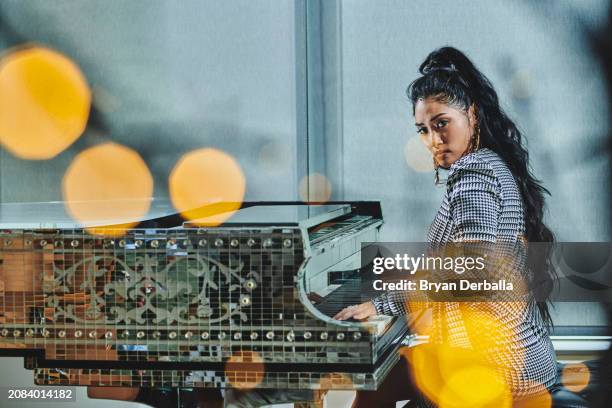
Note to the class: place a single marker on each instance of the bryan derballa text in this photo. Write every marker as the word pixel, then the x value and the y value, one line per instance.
pixel 425 285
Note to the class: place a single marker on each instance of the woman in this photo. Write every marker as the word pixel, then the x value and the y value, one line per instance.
pixel 491 197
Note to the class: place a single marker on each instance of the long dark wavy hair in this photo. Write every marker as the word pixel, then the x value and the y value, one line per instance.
pixel 449 76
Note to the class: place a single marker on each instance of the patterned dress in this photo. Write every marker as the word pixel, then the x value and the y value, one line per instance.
pixel 483 204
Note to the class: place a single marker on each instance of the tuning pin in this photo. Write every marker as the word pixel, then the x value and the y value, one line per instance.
pixel 270 335
pixel 307 335
pixel 324 336
pixel 340 336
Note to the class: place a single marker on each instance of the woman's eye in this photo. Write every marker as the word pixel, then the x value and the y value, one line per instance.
pixel 421 131
pixel 441 124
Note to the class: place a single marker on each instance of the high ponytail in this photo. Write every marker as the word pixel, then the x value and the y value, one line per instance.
pixel 450 77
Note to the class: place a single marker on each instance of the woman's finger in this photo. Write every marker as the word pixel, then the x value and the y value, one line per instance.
pixel 341 315
pixel 359 312
pixel 345 313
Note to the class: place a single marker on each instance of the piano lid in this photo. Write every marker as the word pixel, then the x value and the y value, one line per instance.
pixel 162 214
pixel 286 214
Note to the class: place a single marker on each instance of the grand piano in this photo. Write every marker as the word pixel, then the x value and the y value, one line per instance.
pixel 168 303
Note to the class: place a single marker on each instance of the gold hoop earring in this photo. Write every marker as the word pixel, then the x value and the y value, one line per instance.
pixel 436 172
pixel 475 142
pixel 476 138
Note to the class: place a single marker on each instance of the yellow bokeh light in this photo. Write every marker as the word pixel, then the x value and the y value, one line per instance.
pixel 424 363
pixel 245 369
pixel 457 377
pixel 207 186
pixel 417 156
pixel 44 103
pixel 475 386
pixel 108 184
pixel 575 376
pixel 315 188
pixel 442 369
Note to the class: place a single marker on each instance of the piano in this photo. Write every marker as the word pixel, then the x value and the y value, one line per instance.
pixel 247 304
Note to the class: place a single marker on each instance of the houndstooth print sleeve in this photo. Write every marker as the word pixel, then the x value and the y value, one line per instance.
pixel 474 197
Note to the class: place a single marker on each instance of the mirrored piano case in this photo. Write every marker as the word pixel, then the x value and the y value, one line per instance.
pixel 246 304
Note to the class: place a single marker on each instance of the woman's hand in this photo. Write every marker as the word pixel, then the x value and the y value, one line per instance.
pixel 359 312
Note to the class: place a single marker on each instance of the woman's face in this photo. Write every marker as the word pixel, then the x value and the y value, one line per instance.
pixel 445 129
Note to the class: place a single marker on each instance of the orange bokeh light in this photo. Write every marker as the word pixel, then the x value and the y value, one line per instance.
pixel 336 381
pixel 315 188
pixel 44 103
pixel 245 369
pixel 575 377
pixel 108 184
pixel 207 186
